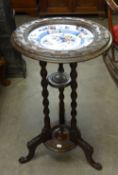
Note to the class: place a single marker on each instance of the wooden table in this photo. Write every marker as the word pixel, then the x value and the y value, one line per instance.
pixel 61 40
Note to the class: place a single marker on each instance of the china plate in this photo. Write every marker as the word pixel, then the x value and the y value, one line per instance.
pixel 61 37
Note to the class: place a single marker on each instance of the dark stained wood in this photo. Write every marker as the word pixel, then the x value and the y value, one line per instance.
pixel 60 137
pixel 61 68
pixel 60 141
pixel 44 83
pixel 25 6
pixel 63 136
pixel 89 6
pixel 61 106
pixel 53 7
pixel 46 132
pixel 73 75
pixel 34 143
pixel 61 99
pixel 75 136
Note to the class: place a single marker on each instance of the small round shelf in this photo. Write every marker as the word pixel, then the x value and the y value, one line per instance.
pixel 60 141
pixel 61 39
pixel 59 80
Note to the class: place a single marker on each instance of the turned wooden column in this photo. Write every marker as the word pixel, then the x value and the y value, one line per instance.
pixel 61 99
pixel 45 94
pixel 73 75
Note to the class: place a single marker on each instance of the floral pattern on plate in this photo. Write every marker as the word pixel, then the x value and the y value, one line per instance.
pixel 61 37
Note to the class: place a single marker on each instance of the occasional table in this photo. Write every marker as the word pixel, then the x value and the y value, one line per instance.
pixel 61 40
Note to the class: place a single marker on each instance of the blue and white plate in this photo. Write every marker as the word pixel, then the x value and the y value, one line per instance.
pixel 61 37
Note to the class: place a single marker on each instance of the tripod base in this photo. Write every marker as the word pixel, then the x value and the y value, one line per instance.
pixel 61 138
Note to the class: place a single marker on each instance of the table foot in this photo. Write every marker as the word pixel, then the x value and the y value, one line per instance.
pixel 32 145
pixel 88 150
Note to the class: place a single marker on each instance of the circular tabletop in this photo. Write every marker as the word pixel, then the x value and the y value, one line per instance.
pixel 61 39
